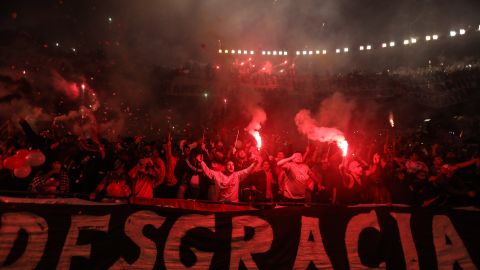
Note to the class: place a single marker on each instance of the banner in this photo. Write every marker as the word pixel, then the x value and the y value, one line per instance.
pixel 96 236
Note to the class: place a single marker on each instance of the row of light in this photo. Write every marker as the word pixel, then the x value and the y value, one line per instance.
pixel 409 41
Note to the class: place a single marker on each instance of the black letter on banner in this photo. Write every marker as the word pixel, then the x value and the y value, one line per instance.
pixel 179 229
pixel 448 254
pixel 80 223
pixel 37 230
pixel 408 246
pixel 354 228
pixel 311 251
pixel 241 249
pixel 148 249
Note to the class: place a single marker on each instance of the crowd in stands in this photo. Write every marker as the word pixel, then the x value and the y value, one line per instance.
pixel 403 170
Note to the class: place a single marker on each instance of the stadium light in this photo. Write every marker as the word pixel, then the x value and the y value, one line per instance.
pixel 269 52
pixel 435 37
pixel 462 31
pixel 239 51
pixel 392 43
pixel 317 52
pixel 310 52
pixel 337 51
pixel 297 53
pixel 362 48
pixel 428 38
pixel 232 51
pixel 324 51
pixel 274 52
pixel 406 42
pixel 304 52
pixel 478 28
pixel 226 51
pixel 263 52
pixel 369 47
pixel 285 53
pixel 384 45
pixel 413 40
pixel 252 52
pixel 245 52
pixel 453 33
pixel 280 52
pixel 220 51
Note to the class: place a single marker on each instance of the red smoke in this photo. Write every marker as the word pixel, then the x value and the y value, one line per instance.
pixel 308 126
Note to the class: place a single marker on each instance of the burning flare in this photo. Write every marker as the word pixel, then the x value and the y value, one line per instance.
pixel 343 145
pixel 390 119
pixel 257 137
pixel 259 117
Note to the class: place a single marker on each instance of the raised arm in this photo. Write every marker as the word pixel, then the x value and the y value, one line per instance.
pixel 245 172
pixel 207 171
pixel 465 164
pixel 285 161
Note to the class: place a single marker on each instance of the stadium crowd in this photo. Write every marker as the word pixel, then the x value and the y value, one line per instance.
pixel 399 170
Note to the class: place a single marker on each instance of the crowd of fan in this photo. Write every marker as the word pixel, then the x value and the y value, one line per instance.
pixel 402 171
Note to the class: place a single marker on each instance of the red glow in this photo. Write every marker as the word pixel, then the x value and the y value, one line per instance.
pixel 217 67
pixel 285 62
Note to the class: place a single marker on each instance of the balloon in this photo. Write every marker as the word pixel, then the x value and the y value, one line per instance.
pixel 115 190
pixel 14 162
pixel 22 153
pixel 22 172
pixel 35 158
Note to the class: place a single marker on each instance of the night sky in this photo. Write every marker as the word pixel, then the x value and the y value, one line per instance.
pixel 172 32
